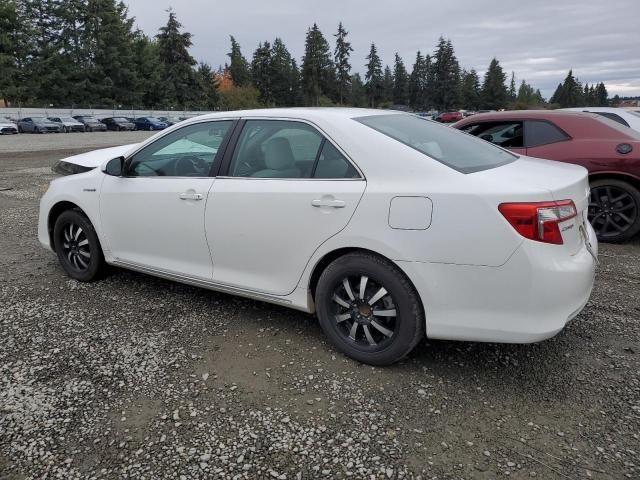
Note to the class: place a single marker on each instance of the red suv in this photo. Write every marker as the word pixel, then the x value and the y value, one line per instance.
pixel 610 151
pixel 449 117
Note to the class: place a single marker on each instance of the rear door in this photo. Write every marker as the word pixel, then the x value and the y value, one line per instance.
pixel 282 192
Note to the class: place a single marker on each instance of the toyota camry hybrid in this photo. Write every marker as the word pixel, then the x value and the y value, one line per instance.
pixel 388 226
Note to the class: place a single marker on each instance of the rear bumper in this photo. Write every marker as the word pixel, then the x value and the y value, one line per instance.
pixel 528 299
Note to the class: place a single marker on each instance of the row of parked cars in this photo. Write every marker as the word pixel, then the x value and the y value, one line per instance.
pixel 83 123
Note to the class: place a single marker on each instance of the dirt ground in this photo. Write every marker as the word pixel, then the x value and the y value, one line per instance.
pixel 137 377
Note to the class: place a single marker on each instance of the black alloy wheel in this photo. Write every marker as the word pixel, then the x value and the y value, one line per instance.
pixel 77 246
pixel 369 309
pixel 614 210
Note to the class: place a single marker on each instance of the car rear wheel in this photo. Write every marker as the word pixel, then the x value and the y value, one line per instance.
pixel 77 246
pixel 150 128
pixel 614 210
pixel 369 309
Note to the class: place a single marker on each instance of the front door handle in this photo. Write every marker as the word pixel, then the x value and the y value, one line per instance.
pixel 320 202
pixel 191 196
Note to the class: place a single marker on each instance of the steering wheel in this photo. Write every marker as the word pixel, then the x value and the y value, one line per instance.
pixel 190 166
pixel 488 137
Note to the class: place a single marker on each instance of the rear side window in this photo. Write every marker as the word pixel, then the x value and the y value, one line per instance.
pixel 464 153
pixel 332 164
pixel 539 133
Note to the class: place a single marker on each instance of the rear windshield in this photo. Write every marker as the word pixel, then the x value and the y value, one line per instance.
pixel 458 150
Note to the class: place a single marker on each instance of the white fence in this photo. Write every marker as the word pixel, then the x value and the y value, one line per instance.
pixel 99 113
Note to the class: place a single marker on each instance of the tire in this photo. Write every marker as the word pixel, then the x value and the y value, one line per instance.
pixel 377 339
pixel 617 221
pixel 66 130
pixel 72 254
pixel 150 128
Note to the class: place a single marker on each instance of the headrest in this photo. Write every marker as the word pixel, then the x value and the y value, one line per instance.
pixel 278 155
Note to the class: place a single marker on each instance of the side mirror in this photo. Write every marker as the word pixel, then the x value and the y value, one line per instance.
pixel 114 167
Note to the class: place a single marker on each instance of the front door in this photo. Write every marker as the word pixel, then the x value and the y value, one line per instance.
pixel 154 216
pixel 285 191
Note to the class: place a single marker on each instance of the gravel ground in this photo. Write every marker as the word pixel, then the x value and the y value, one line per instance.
pixel 136 377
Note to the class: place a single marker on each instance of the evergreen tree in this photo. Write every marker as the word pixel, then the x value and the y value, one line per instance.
pixel 601 95
pixel 418 81
pixel 445 86
pixel 208 95
pixel 358 93
pixel 400 82
pixel 527 96
pixel 262 73
pixel 571 94
pixel 173 49
pixel 555 98
pixel 512 88
pixel 285 76
pixel 387 85
pixel 494 91
pixel 238 65
pixel 150 85
pixel 373 77
pixel 8 48
pixel 318 76
pixel 342 53
pixel 470 90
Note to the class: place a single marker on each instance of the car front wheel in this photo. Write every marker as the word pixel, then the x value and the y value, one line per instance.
pixel 369 309
pixel 77 246
pixel 614 210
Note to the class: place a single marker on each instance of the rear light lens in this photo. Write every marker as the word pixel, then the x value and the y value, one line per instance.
pixel 539 221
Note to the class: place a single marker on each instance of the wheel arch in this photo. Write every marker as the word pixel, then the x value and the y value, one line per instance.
pixel 329 257
pixel 625 177
pixel 58 209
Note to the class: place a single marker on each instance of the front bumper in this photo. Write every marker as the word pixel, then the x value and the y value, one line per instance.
pixel 528 299
pixel 8 130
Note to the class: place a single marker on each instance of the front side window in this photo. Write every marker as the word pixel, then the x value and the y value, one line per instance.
pixel 188 152
pixel 463 153
pixel 275 149
pixel 540 133
pixel 509 134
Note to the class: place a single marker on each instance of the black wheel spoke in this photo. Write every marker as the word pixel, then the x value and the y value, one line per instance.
pixel 76 247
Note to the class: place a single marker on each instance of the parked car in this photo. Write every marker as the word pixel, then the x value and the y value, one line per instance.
pixel 7 127
pixel 150 123
pixel 91 123
pixel 118 123
pixel 170 121
pixel 628 118
pixel 610 151
pixel 407 225
pixel 68 124
pixel 38 125
pixel 449 117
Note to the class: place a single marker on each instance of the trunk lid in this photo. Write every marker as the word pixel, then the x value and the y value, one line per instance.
pixel 563 181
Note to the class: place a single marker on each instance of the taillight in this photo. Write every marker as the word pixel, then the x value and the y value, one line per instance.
pixel 539 221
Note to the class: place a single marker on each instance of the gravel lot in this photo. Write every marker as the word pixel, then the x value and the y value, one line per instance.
pixel 136 377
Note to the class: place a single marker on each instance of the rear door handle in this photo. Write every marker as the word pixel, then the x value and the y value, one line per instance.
pixel 319 202
pixel 191 196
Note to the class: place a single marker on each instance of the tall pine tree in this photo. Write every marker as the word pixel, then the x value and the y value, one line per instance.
pixel 285 76
pixel 238 65
pixel 494 91
pixel 446 77
pixel 400 82
pixel 262 73
pixel 318 76
pixel 173 49
pixel 373 77
pixel 342 53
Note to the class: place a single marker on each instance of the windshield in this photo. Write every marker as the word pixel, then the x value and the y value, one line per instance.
pixel 447 145
pixel 153 119
pixel 120 119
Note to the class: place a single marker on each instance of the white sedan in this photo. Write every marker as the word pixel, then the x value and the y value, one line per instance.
pixel 628 118
pixel 386 225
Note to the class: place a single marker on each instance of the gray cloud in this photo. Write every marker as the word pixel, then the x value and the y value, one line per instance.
pixel 537 39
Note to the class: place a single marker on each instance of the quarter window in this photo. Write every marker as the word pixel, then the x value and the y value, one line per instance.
pixel 188 152
pixel 332 164
pixel 543 133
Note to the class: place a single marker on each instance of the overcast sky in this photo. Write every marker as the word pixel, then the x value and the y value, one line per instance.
pixel 538 39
